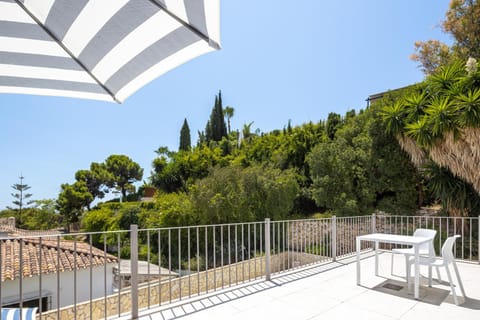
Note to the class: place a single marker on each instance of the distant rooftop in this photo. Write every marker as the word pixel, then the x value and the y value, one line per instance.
pixel 377 96
pixel 42 258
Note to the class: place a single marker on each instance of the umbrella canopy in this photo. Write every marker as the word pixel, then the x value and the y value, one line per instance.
pixel 100 49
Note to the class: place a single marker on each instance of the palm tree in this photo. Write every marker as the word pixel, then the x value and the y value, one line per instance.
pixel 228 112
pixel 247 131
pixel 458 196
pixel 441 122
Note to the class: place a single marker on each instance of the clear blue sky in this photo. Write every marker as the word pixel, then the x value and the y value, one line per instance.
pixel 280 60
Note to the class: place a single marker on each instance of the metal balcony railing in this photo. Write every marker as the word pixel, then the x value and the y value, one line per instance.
pixel 116 273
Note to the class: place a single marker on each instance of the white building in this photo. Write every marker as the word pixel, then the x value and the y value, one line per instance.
pixel 55 273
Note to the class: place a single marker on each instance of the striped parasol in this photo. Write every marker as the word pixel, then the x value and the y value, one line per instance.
pixel 100 49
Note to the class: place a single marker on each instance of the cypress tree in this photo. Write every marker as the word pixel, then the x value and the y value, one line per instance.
pixel 208 131
pixel 222 126
pixel 185 140
pixel 216 127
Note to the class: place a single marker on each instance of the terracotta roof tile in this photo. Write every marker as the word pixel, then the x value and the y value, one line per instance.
pixel 47 257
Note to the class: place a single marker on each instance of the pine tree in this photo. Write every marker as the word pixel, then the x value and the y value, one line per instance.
pixel 185 140
pixel 21 197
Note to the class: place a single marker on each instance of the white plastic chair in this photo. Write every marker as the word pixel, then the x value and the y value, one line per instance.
pixel 14 313
pixel 425 249
pixel 447 259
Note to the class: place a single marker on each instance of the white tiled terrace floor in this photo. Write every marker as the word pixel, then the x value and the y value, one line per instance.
pixel 329 291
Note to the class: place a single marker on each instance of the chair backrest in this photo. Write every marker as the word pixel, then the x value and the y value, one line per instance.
pixel 428 233
pixel 447 249
pixel 14 313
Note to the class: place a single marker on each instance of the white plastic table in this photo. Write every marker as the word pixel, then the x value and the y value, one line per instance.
pixel 415 242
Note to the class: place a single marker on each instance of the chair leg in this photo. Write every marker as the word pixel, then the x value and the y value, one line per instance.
pixel 430 275
pixel 408 275
pixel 406 265
pixel 451 285
pixel 458 278
pixel 438 274
pixel 391 265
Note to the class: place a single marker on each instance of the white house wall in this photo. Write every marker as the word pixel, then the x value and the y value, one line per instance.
pixel 10 289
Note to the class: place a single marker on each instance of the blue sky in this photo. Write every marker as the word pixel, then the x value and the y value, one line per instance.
pixel 280 60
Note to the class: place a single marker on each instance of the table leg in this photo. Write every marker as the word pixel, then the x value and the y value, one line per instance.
pixel 358 261
pixel 417 272
pixel 376 258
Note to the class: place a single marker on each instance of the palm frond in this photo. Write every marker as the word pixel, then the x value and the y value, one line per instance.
pixel 443 80
pixel 468 107
pixel 394 117
pixel 421 132
pixel 415 105
pixel 441 113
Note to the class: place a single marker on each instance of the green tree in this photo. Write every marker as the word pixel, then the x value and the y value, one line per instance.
pixel 445 129
pixel 216 129
pixel 43 216
pixel 458 197
pixel 247 133
pixel 334 121
pixel 362 169
pixel 461 22
pixel 21 197
pixel 124 171
pixel 72 200
pixel 229 112
pixel 97 180
pixel 185 140
pixel 233 194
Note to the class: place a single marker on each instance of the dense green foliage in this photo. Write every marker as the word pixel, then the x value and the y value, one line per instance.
pixel 42 215
pixel 362 170
pixel 346 165
pixel 233 194
pixel 227 195
pixel 118 172
pixel 72 199
pixel 438 121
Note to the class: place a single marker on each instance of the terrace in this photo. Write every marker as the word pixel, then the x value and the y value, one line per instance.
pixel 296 269
pixel 328 291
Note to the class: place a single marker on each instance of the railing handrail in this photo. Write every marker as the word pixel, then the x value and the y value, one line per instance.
pixel 225 254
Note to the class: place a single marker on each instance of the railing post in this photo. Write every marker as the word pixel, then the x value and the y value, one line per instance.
pixel 334 238
pixel 134 269
pixel 374 223
pixel 267 249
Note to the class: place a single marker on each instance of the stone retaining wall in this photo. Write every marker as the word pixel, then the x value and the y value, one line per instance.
pixel 191 285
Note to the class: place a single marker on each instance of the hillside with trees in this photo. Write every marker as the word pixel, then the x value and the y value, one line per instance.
pixel 416 146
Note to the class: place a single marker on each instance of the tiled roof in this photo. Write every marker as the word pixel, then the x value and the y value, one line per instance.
pixel 47 257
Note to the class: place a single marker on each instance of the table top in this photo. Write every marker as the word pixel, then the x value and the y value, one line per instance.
pixel 394 238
